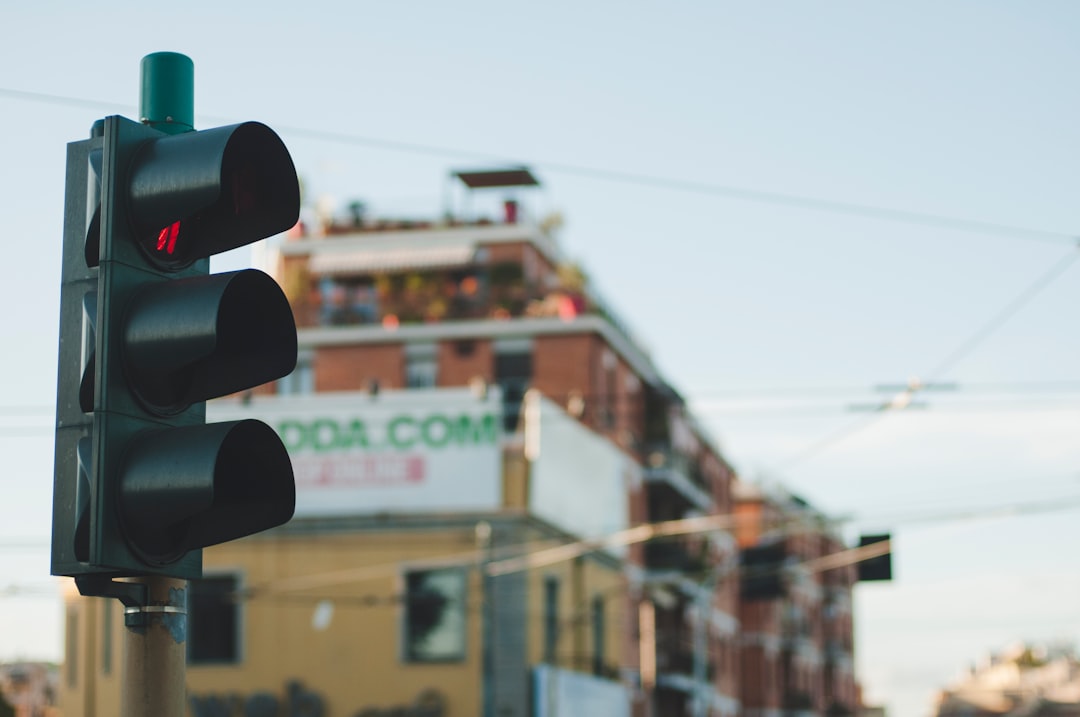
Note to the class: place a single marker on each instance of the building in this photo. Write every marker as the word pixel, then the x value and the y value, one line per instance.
pixel 466 415
pixel 1022 681
pixel 797 627
pixel 28 689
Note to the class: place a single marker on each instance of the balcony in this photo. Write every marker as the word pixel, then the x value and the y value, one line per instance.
pixel 675 655
pixel 797 632
pixel 674 556
pixel 396 287
pixel 388 275
pixel 671 701
pixel 798 702
pixel 679 473
pixel 838 652
pixel 837 597
pixel 675 661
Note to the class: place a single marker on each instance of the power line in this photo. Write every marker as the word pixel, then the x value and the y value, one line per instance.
pixel 830 440
pixel 65 100
pixel 710 523
pixel 1004 315
pixel 623 177
pixel 548 556
pixel 1036 507
pixel 966 347
pixel 817 410
pixel 959 387
pixel 757 395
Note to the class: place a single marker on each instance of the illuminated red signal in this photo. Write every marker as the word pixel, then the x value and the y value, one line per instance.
pixel 166 240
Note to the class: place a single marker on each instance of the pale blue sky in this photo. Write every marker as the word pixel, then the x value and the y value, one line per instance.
pixel 956 109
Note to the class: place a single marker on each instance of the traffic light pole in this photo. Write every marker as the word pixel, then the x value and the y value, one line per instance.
pixel 155 640
pixel 155 651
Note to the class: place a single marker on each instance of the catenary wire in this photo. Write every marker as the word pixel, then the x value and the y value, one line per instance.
pixel 965 347
pixel 608 175
pixel 339 577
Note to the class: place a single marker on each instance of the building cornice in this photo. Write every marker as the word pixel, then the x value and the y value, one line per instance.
pixel 479 234
pixel 317 337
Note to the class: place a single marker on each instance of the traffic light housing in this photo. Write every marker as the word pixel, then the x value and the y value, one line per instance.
pixel 878 567
pixel 147 335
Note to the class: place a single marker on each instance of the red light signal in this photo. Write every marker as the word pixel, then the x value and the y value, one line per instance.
pixel 166 240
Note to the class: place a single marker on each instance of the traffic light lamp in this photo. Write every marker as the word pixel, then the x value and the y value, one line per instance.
pixel 147 335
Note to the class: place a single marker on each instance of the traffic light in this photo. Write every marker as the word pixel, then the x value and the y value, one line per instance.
pixel 147 335
pixel 878 567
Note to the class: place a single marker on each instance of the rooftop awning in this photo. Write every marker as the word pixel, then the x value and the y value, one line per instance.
pixel 372 261
pixel 512 177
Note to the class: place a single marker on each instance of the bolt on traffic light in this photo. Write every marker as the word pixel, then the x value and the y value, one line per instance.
pixel 147 335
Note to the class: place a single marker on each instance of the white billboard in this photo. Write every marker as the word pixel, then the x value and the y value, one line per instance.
pixel 579 481
pixel 417 450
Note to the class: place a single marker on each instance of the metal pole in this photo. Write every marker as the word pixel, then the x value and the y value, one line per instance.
pixel 485 541
pixel 155 634
pixel 155 651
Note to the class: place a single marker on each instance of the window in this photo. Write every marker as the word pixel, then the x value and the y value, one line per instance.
pixel 551 618
pixel 421 365
pixel 513 374
pixel 213 620
pixel 434 615
pixel 302 379
pixel 607 412
pixel 598 636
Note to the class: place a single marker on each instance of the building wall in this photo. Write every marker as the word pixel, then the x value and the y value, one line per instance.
pixel 580 583
pixel 352 368
pixel 584 366
pixel 562 364
pixel 352 657
pixel 356 660
pixel 90 677
pixel 463 360
pixel 810 625
pixel 726 647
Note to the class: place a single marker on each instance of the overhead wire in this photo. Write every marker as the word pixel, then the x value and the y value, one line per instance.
pixel 818 409
pixel 961 351
pixel 511 558
pixel 781 392
pixel 1006 313
pixel 624 177
pixel 759 394
pixel 573 549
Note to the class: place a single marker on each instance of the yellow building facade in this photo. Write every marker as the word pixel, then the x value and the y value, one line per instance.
pixel 351 610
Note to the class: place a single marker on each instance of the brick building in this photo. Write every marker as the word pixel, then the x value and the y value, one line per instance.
pixel 1028 680
pixel 797 625
pixel 476 438
pixel 459 303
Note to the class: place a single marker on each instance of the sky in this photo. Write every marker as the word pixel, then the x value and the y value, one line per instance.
pixel 792 203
